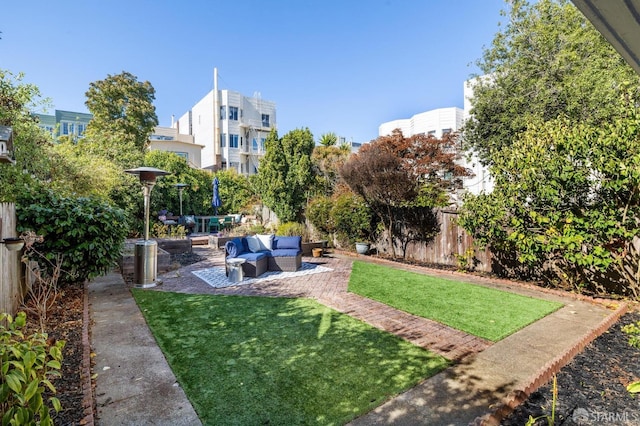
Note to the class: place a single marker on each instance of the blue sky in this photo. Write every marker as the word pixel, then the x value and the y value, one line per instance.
pixel 342 66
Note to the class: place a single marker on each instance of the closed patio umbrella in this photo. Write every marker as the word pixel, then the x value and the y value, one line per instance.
pixel 216 202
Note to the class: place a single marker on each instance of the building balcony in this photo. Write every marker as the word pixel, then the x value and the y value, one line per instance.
pixel 255 124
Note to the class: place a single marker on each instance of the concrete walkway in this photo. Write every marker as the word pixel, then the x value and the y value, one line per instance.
pixel 136 386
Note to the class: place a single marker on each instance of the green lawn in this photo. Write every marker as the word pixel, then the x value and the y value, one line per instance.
pixel 251 360
pixel 477 310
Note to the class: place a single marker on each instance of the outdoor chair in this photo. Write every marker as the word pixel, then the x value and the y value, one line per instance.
pixel 228 222
pixel 214 223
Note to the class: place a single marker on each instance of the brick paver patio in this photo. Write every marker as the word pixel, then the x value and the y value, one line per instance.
pixel 330 289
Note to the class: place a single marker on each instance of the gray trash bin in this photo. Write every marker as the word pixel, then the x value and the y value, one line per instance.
pixel 234 266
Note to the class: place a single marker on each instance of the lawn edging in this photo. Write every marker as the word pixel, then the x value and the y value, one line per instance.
pixel 517 397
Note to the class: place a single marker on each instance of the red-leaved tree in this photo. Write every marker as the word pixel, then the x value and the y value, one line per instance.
pixel 396 173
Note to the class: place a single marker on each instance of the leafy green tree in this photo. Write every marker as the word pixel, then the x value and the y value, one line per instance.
pixel 77 172
pixel 548 61
pixel 196 198
pixel 236 192
pixel 123 118
pixel 567 197
pixel 394 172
pixel 285 173
pixel 30 143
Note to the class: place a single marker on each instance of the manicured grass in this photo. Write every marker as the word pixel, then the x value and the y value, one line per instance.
pixel 477 310
pixel 251 360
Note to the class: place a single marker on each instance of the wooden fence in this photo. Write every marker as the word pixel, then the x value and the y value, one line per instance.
pixel 11 277
pixel 451 247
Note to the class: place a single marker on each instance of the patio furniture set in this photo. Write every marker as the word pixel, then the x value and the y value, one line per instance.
pixel 257 254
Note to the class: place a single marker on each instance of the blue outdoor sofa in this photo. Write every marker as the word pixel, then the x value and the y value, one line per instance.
pixel 266 253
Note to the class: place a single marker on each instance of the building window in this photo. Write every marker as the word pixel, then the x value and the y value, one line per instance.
pixel 81 129
pixel 233 141
pixel 254 145
pixel 182 154
pixel 265 120
pixel 223 112
pixel 431 133
pixel 223 140
pixel 233 113
pixel 65 128
pixel 446 131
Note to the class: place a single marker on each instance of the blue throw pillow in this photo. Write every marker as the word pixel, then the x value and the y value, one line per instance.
pixel 232 248
pixel 287 242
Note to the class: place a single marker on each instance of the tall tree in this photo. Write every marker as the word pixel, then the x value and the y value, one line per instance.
pixel 395 172
pixel 285 173
pixel 548 61
pixel 123 118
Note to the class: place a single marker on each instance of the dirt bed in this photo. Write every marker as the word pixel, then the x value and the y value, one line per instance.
pixel 592 387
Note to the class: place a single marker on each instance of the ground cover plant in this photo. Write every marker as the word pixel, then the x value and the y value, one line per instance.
pixel 252 360
pixel 484 312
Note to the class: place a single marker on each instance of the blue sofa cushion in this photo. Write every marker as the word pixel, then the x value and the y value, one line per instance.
pixel 294 242
pixel 252 257
pixel 235 247
pixel 284 252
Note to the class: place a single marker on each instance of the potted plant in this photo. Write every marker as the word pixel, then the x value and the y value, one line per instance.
pixel 362 248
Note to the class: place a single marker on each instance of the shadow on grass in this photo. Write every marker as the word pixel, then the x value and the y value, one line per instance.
pixel 256 360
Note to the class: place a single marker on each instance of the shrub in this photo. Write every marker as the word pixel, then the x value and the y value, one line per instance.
pixel 28 362
pixel 89 234
pixel 291 229
pixel 352 218
pixel 319 214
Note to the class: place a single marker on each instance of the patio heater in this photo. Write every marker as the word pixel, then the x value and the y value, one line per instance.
pixel 181 187
pixel 145 267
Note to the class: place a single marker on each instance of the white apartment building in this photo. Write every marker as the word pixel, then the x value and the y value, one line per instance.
pixel 231 127
pixel 436 122
pixel 439 122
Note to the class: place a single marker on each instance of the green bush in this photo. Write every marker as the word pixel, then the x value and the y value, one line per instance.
pixel 89 234
pixel 352 218
pixel 319 214
pixel 28 362
pixel 345 216
pixel 291 229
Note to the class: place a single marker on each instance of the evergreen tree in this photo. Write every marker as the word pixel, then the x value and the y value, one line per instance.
pixel 285 174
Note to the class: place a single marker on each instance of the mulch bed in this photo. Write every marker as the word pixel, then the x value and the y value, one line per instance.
pixel 64 322
pixel 592 387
